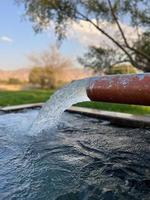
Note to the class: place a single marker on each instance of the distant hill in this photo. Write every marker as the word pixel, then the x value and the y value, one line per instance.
pixel 66 75
pixel 21 74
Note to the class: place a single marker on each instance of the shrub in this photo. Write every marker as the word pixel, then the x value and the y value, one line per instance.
pixel 122 69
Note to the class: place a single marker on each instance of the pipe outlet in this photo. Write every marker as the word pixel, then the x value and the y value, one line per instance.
pixel 126 89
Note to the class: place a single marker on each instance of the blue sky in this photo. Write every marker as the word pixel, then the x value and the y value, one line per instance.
pixel 18 40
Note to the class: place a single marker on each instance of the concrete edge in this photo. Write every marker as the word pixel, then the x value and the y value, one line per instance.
pixel 20 107
pixel 117 118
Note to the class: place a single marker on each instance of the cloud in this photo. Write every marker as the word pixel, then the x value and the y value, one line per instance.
pixel 88 35
pixel 6 39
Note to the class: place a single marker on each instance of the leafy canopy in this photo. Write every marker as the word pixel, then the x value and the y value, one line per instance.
pixel 62 13
pixel 143 44
pixel 41 12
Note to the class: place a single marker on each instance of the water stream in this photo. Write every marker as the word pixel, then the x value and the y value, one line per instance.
pixel 63 99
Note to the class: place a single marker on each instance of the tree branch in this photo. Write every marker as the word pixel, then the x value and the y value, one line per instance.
pixel 118 24
pixel 140 53
pixel 119 62
pixel 108 36
pixel 123 35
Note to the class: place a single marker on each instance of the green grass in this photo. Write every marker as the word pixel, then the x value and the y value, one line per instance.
pixel 8 98
pixel 132 109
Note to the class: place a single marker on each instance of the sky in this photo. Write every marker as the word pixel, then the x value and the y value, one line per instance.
pixel 18 39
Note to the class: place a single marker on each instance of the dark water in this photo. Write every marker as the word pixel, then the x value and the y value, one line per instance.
pixel 83 159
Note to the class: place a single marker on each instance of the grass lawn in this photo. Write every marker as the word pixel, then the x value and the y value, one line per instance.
pixel 8 98
pixel 132 109
pixel 35 96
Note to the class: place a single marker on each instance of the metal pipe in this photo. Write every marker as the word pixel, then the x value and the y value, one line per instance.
pixel 126 89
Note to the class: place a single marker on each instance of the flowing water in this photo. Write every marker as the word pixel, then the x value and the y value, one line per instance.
pixel 80 159
pixel 63 99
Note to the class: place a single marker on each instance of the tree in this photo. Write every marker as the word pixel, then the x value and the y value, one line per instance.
pixel 100 59
pixel 14 81
pixel 36 76
pixel 63 12
pixel 143 44
pixel 121 69
pixel 47 67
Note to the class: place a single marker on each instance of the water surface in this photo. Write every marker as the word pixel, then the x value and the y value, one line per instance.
pixel 84 158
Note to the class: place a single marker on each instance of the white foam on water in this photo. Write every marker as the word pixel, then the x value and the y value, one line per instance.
pixel 14 124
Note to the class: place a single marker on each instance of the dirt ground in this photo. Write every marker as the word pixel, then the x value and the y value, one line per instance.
pixel 11 87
